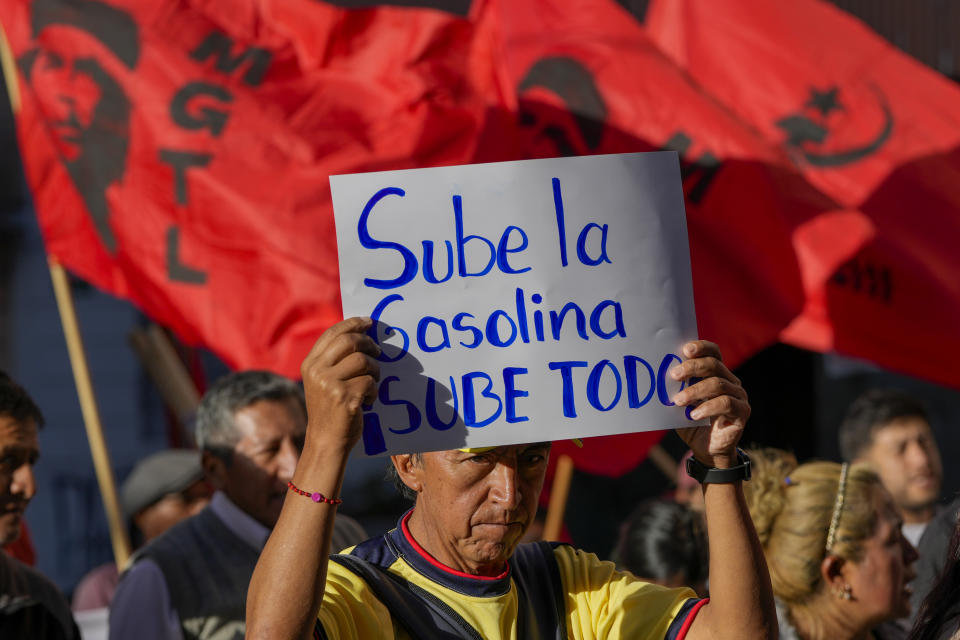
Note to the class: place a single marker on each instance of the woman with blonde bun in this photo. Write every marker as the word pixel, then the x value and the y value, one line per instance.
pixel 831 535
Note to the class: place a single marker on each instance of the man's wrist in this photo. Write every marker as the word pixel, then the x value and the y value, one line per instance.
pixel 323 453
pixel 719 461
pixel 723 470
pixel 323 439
pixel 726 461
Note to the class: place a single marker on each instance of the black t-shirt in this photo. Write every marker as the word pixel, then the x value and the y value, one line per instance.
pixel 31 606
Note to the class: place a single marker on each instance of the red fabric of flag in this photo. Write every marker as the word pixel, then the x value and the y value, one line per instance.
pixel 179 154
pixel 869 126
pixel 589 81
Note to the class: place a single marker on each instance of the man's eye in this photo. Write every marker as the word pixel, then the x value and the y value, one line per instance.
pixel 267 453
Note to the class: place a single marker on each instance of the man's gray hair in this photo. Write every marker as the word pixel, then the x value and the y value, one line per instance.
pixel 215 428
pixel 393 476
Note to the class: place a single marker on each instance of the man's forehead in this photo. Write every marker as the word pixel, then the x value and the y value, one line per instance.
pixel 269 418
pixel 15 432
pixel 69 41
pixel 900 429
pixel 69 44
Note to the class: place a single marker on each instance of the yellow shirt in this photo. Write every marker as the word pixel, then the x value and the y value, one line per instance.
pixel 601 602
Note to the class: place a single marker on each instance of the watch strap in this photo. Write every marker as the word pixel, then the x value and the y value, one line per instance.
pixel 711 475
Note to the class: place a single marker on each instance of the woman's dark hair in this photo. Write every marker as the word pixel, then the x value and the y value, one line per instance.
pixel 939 613
pixel 661 539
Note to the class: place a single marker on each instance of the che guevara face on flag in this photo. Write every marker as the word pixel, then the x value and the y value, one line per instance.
pixel 72 68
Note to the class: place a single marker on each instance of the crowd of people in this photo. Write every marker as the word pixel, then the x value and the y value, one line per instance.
pixel 243 537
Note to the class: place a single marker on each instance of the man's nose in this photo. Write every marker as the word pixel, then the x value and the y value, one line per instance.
pixel 287 459
pixel 919 456
pixel 24 483
pixel 505 489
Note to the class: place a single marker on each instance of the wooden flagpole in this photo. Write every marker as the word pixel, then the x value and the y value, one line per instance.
pixel 91 414
pixel 159 358
pixel 563 476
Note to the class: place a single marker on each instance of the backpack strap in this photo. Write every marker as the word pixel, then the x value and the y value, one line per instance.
pixel 419 612
pixel 541 602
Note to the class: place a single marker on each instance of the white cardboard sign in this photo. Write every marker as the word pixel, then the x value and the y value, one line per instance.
pixel 519 301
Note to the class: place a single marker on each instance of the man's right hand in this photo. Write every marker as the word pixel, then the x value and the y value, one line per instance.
pixel 340 376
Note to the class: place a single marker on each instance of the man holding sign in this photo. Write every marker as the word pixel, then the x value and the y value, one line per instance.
pixel 457 545
pixel 487 338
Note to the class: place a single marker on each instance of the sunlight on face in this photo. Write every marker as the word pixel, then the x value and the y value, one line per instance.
pixel 879 580
pixel 480 504
pixel 907 459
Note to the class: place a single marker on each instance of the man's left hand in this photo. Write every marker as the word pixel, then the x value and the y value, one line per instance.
pixel 717 396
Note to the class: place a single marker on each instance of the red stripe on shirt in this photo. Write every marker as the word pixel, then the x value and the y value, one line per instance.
pixel 689 619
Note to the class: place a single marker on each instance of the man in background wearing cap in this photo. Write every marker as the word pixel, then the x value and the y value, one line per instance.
pixel 191 582
pixel 162 490
pixel 30 605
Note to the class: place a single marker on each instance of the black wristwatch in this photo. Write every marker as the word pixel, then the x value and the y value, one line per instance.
pixel 704 474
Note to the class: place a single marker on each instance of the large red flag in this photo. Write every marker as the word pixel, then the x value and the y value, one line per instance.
pixel 869 126
pixel 178 153
pixel 589 81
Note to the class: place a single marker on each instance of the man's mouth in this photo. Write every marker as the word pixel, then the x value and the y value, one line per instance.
pixel 503 526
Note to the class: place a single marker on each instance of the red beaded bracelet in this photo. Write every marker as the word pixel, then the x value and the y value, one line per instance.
pixel 315 496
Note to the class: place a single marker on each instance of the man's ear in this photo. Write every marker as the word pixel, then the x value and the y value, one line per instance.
pixel 409 467
pixel 215 469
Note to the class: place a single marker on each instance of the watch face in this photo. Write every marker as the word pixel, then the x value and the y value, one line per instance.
pixel 695 469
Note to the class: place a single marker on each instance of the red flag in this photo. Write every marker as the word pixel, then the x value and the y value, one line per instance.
pixel 869 126
pixel 179 155
pixel 589 81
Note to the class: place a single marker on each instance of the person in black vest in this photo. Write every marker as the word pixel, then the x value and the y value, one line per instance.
pixel 190 582
pixel 30 605
pixel 454 568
